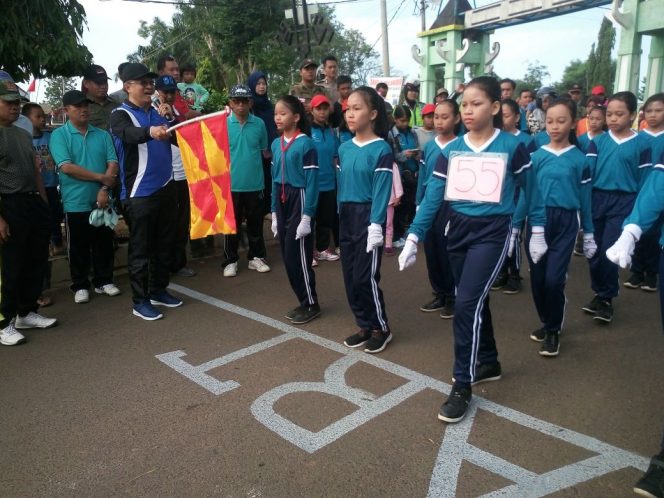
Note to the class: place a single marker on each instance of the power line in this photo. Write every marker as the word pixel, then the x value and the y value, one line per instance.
pixel 389 22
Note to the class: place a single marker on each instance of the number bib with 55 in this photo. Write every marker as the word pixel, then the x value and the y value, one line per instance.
pixel 475 177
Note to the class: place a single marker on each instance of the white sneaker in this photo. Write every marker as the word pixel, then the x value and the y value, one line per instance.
pixel 108 289
pixel 34 321
pixel 259 265
pixel 230 270
pixel 314 263
pixel 9 336
pixel 327 255
pixel 82 296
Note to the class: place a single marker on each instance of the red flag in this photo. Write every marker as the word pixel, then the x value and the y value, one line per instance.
pixel 32 86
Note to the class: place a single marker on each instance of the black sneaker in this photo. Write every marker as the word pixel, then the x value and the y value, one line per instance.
pixel 652 482
pixel 291 314
pixel 551 344
pixel 649 282
pixel 634 281
pixel 592 306
pixel 456 406
pixel 437 304
pixel 604 312
pixel 448 310
pixel 513 285
pixel 500 281
pixel 306 314
pixel 538 335
pixel 378 341
pixel 487 372
pixel 358 339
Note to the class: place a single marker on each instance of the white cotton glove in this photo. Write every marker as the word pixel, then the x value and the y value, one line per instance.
pixel 537 246
pixel 374 236
pixel 275 232
pixel 514 239
pixel 407 256
pixel 304 228
pixel 589 245
pixel 621 252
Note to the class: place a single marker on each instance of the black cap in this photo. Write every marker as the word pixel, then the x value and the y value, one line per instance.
pixel 95 73
pixel 241 92
pixel 73 97
pixel 136 71
pixel 575 87
pixel 166 82
pixel 307 63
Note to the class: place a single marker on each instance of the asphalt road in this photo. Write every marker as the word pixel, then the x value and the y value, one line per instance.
pixel 107 404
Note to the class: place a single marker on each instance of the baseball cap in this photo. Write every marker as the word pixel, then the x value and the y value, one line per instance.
pixel 598 90
pixel 428 109
pixel 575 88
pixel 136 71
pixel 95 73
pixel 166 82
pixel 442 90
pixel 319 100
pixel 307 63
pixel 240 92
pixel 73 97
pixel 9 91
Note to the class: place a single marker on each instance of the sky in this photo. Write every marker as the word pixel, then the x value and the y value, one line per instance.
pixel 113 25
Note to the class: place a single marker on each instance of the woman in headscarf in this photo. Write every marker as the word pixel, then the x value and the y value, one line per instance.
pixel 264 109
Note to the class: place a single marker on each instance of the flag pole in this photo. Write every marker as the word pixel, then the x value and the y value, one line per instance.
pixel 196 119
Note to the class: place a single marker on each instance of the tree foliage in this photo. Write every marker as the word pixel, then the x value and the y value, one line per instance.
pixel 229 40
pixel 55 89
pixel 602 70
pixel 42 38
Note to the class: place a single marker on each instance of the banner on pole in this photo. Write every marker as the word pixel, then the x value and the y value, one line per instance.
pixel 394 85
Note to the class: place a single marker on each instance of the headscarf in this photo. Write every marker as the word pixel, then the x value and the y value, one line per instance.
pixel 262 107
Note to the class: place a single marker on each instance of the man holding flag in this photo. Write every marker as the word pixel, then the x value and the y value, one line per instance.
pixel 143 144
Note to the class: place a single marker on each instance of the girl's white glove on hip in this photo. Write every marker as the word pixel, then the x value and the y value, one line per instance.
pixel 589 245
pixel 537 246
pixel 304 228
pixel 513 241
pixel 374 236
pixel 275 232
pixel 621 252
pixel 407 256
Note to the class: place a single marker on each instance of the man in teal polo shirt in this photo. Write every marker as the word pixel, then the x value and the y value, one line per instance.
pixel 88 167
pixel 248 139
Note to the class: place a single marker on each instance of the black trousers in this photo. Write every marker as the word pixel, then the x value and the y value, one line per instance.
pixel 152 231
pixel 405 211
pixel 88 246
pixel 647 250
pixel 361 269
pixel 297 254
pixel 183 219
pixel 25 255
pixel 435 250
pixel 327 220
pixel 55 205
pixel 247 205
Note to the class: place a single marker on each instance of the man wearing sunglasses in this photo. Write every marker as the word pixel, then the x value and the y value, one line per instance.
pixel 148 193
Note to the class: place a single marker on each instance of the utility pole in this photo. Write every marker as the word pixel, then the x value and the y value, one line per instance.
pixel 386 45
pixel 423 13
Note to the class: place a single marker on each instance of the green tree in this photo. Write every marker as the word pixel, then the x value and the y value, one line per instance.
pixel 43 38
pixel 576 72
pixel 601 68
pixel 56 88
pixel 535 75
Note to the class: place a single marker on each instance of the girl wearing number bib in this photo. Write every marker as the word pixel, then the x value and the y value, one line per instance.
pixel 563 177
pixel 294 203
pixel 478 173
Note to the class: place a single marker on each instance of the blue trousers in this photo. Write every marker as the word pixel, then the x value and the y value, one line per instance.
pixel 435 250
pixel 361 269
pixel 297 254
pixel 548 276
pixel 610 208
pixel 477 247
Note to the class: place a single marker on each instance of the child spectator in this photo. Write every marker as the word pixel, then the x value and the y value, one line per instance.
pixel 194 93
pixel 426 132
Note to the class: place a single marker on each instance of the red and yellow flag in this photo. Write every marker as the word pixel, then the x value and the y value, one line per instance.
pixel 206 158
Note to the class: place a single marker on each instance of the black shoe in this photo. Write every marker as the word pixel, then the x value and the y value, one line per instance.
pixel 551 344
pixel 378 341
pixel 487 372
pixel 437 304
pixel 500 281
pixel 634 281
pixel 306 314
pixel 291 314
pixel 604 312
pixel 649 282
pixel 538 335
pixel 513 285
pixel 652 482
pixel 592 306
pixel 448 310
pixel 358 339
pixel 456 406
